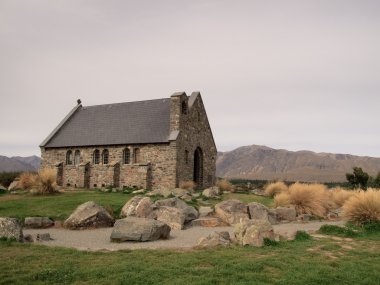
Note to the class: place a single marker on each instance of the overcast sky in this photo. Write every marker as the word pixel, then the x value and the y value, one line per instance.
pixel 286 74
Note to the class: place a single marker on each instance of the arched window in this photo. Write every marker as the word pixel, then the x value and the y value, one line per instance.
pixel 186 156
pixel 96 157
pixel 127 156
pixel 77 157
pixel 69 157
pixel 184 107
pixel 105 156
pixel 136 155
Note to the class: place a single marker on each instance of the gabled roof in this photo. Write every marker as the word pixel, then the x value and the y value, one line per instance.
pixel 113 124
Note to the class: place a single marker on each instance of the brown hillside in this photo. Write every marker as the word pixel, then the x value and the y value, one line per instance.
pixel 261 162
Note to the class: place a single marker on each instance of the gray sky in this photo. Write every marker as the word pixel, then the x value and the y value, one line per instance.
pixel 286 74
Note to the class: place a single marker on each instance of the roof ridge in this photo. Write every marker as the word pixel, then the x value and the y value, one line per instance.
pixel 119 103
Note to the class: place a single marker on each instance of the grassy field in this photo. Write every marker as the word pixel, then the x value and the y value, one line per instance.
pixel 325 261
pixel 60 206
pixel 331 260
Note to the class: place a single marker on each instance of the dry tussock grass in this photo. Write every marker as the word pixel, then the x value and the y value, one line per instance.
pixel 339 196
pixel 225 185
pixel 275 188
pixel 307 199
pixel 363 206
pixel 187 185
pixel 46 181
pixel 27 180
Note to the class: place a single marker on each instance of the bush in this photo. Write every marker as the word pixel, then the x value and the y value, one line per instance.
pixel 46 181
pixel 187 185
pixel 225 185
pixel 302 236
pixel 6 178
pixel 339 196
pixel 276 188
pixel 337 231
pixel 307 198
pixel 363 207
pixel 27 180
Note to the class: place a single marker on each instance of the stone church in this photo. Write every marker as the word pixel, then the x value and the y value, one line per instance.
pixel 146 144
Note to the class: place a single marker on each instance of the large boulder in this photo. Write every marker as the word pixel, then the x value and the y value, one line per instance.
pixel 160 192
pixel 212 192
pixel 38 222
pixel 231 211
pixel 174 217
pixel 10 228
pixel 215 239
pixel 89 215
pixel 205 211
pixel 208 222
pixel 258 211
pixel 286 214
pixel 190 212
pixel 138 206
pixel 139 229
pixel 253 232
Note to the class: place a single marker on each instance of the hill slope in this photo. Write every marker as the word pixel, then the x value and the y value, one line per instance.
pixel 17 163
pixel 261 162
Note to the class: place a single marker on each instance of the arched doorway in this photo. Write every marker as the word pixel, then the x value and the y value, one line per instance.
pixel 198 167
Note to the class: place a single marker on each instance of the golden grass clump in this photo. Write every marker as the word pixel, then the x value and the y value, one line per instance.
pixel 27 180
pixel 339 196
pixel 275 188
pixel 225 185
pixel 187 185
pixel 307 199
pixel 46 181
pixel 363 206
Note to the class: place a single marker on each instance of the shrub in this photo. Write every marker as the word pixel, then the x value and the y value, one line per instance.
pixel 363 207
pixel 188 185
pixel 225 185
pixel 46 181
pixel 307 199
pixel 302 236
pixel 27 180
pixel 276 188
pixel 338 231
pixel 339 196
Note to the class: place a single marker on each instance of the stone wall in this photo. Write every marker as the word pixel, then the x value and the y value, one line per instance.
pixel 156 168
pixel 194 132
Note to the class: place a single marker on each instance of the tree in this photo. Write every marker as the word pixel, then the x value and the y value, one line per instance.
pixel 376 181
pixel 358 179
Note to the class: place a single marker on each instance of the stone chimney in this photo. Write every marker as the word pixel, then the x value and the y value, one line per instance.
pixel 178 108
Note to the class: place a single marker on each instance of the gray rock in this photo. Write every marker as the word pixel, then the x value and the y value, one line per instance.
pixel 28 238
pixel 43 237
pixel 286 214
pixel 231 211
pixel 14 185
pixel 208 222
pixel 161 192
pixel 190 212
pixel 89 215
pixel 10 228
pixel 174 217
pixel 253 232
pixel 139 229
pixel 205 211
pixel 38 222
pixel 258 211
pixel 138 206
pixel 215 239
pixel 211 192
pixel 2 188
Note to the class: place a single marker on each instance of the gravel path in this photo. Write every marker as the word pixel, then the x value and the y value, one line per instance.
pixel 99 239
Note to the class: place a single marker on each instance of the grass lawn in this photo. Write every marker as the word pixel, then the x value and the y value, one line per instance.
pixel 59 206
pixel 325 261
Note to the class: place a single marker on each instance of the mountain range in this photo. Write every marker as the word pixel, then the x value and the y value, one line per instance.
pixel 264 163
pixel 19 164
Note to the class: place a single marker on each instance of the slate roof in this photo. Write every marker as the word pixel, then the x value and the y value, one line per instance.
pixel 113 124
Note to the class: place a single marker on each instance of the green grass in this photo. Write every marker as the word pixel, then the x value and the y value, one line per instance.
pixel 303 261
pixel 59 206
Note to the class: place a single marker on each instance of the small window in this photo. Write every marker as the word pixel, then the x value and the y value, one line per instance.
pixel 186 156
pixel 127 156
pixel 184 107
pixel 136 155
pixel 77 157
pixel 69 157
pixel 96 157
pixel 105 156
